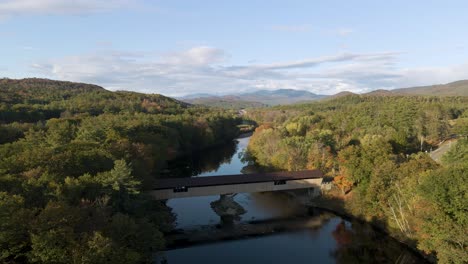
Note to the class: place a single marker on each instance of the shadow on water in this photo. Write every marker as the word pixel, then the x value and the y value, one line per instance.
pixel 265 227
pixel 227 209
pixel 357 242
pixel 202 161
pixel 317 239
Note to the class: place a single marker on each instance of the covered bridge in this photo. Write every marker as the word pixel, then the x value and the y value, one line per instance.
pixel 242 183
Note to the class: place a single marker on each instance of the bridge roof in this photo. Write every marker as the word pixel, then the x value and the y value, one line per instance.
pixel 170 183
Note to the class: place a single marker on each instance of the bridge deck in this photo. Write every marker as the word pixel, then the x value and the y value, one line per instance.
pixel 171 183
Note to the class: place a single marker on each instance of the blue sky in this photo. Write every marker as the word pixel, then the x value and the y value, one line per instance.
pixel 183 47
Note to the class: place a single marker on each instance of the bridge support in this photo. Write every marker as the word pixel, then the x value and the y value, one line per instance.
pixel 227 209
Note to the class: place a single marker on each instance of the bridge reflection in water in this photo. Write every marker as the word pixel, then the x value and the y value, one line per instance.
pixel 231 184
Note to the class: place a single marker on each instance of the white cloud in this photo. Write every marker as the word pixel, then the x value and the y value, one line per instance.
pixel 173 73
pixel 206 69
pixel 197 56
pixel 10 8
pixel 342 57
pixel 432 75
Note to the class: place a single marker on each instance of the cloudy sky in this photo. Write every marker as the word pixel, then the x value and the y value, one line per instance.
pixel 180 47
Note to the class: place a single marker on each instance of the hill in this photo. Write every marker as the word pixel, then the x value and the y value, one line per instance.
pixel 381 92
pixel 458 88
pixel 31 100
pixel 363 136
pixel 340 94
pixel 227 102
pixel 281 96
pixel 76 161
pixel 256 99
pixel 35 90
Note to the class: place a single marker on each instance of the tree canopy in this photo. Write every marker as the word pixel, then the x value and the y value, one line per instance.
pixel 75 161
pixel 375 148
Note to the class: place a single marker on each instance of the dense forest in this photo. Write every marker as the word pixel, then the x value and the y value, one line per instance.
pixel 75 160
pixel 375 149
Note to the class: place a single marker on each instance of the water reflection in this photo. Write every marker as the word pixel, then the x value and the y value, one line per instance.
pixel 222 160
pixel 359 243
pixel 271 205
pixel 195 211
pixel 292 247
pixel 227 209
pixel 333 241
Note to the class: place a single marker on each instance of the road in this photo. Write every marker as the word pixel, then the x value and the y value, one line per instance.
pixel 439 152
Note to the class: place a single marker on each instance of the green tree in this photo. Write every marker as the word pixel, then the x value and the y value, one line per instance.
pixel 55 235
pixel 120 178
pixel 59 132
pixel 444 228
pixel 14 237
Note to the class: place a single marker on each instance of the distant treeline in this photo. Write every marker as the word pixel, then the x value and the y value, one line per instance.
pixel 374 148
pixel 75 160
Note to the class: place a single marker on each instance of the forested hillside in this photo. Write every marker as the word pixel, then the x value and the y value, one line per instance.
pixel 31 100
pixel 257 98
pixel 75 160
pixel 374 148
pixel 459 88
pixel 225 102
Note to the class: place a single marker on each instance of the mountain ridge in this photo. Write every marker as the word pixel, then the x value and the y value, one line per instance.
pixel 456 88
pixel 264 97
pixel 40 88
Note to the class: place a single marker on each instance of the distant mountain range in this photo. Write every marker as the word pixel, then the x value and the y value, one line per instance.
pixel 259 98
pixel 255 99
pixel 229 102
pixel 263 98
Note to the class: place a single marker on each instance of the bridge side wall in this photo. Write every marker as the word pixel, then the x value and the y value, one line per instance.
pixel 237 188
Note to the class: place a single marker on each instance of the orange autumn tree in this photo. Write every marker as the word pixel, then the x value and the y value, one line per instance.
pixel 343 183
pixel 320 157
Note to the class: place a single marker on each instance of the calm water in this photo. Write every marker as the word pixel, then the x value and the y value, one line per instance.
pixel 333 240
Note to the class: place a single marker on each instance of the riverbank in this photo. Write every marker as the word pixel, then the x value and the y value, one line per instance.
pixel 323 238
pixel 274 228
pixel 210 147
pixel 245 135
pixel 208 234
pixel 336 203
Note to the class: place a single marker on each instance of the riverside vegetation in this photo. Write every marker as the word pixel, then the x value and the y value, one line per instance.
pixel 75 160
pixel 374 149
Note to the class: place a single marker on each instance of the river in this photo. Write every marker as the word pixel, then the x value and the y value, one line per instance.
pixel 271 228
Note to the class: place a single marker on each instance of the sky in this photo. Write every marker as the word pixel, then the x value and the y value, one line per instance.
pixel 182 47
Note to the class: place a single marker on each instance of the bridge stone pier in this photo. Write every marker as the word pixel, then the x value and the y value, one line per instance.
pixel 243 183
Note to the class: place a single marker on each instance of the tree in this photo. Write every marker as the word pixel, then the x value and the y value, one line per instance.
pixel 68 178
pixel 54 234
pixel 321 158
pixel 444 227
pixel 14 237
pixel 59 132
pixel 461 127
pixel 120 178
pixel 458 154
pixel 343 183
